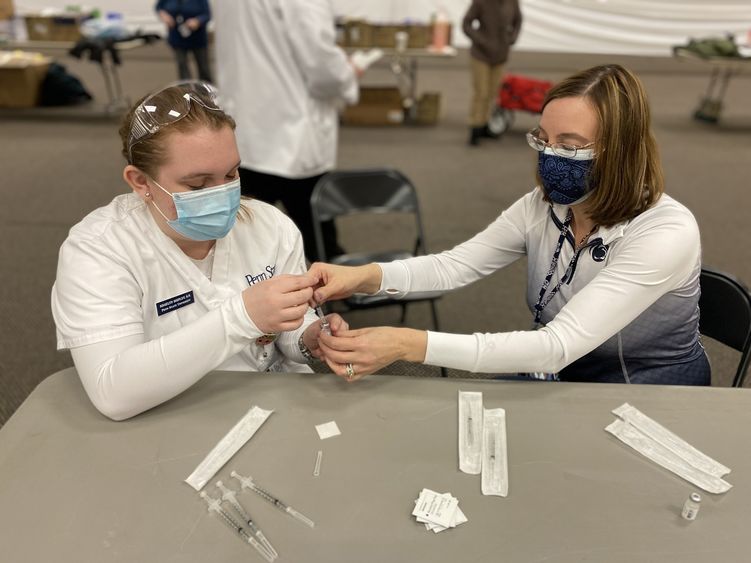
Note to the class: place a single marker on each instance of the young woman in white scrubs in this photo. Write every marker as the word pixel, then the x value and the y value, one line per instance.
pixel 613 262
pixel 181 276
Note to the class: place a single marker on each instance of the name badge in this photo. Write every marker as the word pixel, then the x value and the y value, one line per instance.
pixel 174 303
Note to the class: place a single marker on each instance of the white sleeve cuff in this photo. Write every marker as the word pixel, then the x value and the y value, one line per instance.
pixel 395 279
pixel 351 93
pixel 240 323
pixel 288 341
pixel 456 351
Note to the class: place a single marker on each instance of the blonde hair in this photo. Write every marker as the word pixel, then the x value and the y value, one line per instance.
pixel 626 173
pixel 148 154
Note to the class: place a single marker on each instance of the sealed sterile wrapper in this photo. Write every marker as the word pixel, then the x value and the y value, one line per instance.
pixel 668 439
pixel 227 447
pixel 494 453
pixel 470 432
pixel 657 443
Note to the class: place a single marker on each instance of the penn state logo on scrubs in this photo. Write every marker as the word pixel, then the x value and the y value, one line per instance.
pixel 267 273
pixel 599 252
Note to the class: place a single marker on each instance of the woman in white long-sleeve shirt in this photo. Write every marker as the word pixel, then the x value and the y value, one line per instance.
pixel 613 263
pixel 181 276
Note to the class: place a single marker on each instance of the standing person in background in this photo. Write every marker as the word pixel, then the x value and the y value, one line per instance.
pixel 492 26
pixel 284 78
pixel 186 22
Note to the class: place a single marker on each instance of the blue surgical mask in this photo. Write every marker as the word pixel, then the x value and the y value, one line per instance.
pixel 206 214
pixel 565 180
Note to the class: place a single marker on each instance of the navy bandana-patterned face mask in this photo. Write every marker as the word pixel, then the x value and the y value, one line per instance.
pixel 565 179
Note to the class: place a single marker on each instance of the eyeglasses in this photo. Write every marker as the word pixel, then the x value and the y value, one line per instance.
pixel 159 110
pixel 561 149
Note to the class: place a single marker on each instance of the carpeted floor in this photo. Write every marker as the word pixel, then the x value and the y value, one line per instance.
pixel 54 170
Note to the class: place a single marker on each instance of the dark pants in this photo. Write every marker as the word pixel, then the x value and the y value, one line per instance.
pixel 201 56
pixel 294 194
pixel 591 369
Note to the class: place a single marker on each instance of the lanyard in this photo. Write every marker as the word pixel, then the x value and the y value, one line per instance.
pixel 542 300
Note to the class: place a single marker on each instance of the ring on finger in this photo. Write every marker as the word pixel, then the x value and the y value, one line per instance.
pixel 350 371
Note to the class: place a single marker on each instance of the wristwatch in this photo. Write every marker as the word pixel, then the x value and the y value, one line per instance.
pixel 304 350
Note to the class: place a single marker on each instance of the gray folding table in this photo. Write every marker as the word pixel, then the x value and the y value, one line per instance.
pixel 76 487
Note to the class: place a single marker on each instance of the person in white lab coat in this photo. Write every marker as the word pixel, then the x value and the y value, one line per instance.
pixel 181 276
pixel 283 79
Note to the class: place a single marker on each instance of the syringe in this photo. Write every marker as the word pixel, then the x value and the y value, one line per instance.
pixel 247 483
pixel 226 517
pixel 325 326
pixel 230 496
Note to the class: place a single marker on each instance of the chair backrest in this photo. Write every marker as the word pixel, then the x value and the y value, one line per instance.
pixel 725 315
pixel 376 190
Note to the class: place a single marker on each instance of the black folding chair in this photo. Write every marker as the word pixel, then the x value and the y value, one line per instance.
pixel 725 315
pixel 373 191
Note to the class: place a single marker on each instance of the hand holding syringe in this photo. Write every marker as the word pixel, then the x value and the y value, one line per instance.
pixel 247 483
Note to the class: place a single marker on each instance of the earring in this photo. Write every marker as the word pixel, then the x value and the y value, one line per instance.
pixel 148 194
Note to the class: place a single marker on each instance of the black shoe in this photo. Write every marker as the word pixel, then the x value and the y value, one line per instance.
pixel 487 133
pixel 475 133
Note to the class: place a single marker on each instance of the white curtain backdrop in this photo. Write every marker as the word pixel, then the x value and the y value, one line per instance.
pixel 639 27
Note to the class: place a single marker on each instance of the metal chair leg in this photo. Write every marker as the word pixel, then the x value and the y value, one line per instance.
pixel 434 314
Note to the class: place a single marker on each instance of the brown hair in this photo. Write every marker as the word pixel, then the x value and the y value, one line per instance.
pixel 148 153
pixel 626 173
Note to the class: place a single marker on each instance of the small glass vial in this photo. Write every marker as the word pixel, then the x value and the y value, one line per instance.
pixel 691 506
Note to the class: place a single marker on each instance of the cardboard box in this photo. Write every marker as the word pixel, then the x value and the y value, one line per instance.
pixel 20 82
pixel 428 109
pixel 361 34
pixel 63 27
pixel 6 9
pixel 420 36
pixel 377 106
pixel 385 35
pixel 358 33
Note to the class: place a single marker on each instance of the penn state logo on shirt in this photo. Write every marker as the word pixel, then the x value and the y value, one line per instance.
pixel 599 252
pixel 265 274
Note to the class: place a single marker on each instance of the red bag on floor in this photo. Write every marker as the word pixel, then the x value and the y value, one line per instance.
pixel 522 92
